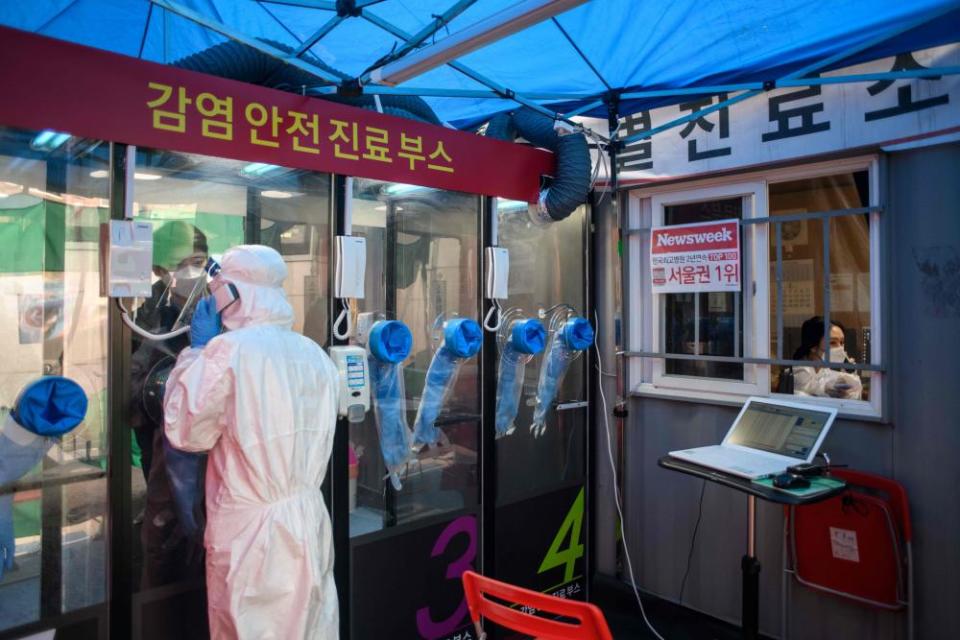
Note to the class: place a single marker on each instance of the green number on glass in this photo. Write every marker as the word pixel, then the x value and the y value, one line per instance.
pixel 557 556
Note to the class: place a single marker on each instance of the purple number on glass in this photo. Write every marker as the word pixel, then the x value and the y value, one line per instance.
pixel 466 525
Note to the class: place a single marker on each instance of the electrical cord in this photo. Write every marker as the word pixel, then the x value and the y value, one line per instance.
pixel 616 494
pixel 495 308
pixel 125 316
pixel 344 315
pixel 693 541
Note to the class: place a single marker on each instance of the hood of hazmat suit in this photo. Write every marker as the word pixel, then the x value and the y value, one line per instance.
pixel 262 400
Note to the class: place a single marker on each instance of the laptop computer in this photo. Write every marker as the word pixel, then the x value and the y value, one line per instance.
pixel 767 437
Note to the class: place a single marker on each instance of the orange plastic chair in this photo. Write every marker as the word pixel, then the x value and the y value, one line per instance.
pixel 587 622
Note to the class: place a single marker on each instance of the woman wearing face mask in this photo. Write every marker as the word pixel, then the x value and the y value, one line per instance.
pixel 821 381
pixel 171 551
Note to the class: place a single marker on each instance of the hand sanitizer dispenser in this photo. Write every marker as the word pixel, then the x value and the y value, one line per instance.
pixel 354 377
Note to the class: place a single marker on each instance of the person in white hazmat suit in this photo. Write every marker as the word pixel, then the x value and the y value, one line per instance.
pixel 262 400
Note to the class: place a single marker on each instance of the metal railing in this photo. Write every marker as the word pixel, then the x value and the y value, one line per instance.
pixel 825 217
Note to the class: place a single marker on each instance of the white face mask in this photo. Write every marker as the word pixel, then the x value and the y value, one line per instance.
pixel 838 354
pixel 185 279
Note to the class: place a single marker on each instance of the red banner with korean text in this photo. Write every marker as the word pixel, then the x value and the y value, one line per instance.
pixel 698 257
pixel 50 84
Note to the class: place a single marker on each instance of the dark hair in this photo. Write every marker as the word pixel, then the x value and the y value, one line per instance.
pixel 811 333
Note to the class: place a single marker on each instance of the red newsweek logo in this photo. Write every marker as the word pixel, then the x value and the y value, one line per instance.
pixel 706 237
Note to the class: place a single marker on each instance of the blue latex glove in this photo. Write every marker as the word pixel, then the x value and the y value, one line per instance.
pixel 185 473
pixel 440 376
pixel 205 324
pixel 462 339
pixel 388 394
pixel 552 371
pixel 513 366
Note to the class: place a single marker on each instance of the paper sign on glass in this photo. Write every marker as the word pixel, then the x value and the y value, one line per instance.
pixel 695 257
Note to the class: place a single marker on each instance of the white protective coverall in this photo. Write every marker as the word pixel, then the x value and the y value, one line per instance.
pixel 262 400
pixel 810 381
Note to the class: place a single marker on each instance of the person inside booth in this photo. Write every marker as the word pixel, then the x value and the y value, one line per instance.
pixel 822 381
pixel 171 544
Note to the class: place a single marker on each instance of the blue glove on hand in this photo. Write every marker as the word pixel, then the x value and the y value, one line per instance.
pixel 205 325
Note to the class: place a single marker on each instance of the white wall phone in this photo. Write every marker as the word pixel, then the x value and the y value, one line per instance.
pixel 350 270
pixel 351 267
pixel 496 281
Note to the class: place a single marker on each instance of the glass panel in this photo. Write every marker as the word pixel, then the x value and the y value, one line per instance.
pixel 547 268
pixel 201 206
pixel 52 513
pixel 803 284
pixel 703 323
pixel 197 207
pixel 298 226
pixel 423 250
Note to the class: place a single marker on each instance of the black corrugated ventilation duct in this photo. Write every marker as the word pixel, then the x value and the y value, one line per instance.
pixel 237 61
pixel 571 184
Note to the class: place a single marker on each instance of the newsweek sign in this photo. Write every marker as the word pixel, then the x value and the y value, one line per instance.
pixel 687 258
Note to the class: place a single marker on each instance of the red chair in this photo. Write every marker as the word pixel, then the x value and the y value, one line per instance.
pixel 587 621
pixel 857 545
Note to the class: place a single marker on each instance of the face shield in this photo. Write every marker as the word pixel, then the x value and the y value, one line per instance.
pixel 187 285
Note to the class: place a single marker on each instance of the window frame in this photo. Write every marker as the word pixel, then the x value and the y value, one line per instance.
pixel 645 206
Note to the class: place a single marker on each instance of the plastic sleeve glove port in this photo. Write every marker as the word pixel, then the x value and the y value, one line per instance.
pixel 7 544
pixel 206 324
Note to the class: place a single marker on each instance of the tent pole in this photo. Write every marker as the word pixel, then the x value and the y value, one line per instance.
pixel 446 93
pixel 582 55
pixel 604 218
pixel 687 118
pixel 224 30
pixel 506 22
pixel 584 109
pixel 418 38
pixel 470 73
pixel 319 35
pixel 906 74
pixel 900 28
pixel 326 5
pixel 797 82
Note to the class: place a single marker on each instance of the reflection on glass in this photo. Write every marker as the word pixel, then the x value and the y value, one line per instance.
pixel 803 285
pixel 547 269
pixel 199 207
pixel 54 323
pixel 422 264
pixel 703 323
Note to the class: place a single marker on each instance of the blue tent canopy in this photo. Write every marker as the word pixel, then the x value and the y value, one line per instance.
pixel 567 64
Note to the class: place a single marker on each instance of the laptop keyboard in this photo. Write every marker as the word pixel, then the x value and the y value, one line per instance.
pixel 737 461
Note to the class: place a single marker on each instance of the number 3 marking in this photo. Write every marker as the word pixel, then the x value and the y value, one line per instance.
pixel 466 525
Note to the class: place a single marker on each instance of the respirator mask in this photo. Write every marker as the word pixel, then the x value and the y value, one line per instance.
pixel 838 354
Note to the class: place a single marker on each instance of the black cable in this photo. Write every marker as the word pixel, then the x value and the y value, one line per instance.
pixel 693 541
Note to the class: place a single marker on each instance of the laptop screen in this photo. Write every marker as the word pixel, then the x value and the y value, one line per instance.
pixel 787 431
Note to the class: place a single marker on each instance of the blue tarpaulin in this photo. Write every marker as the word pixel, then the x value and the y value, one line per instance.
pixel 602 45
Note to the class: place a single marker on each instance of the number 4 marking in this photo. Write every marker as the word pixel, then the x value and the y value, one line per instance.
pixel 567 558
